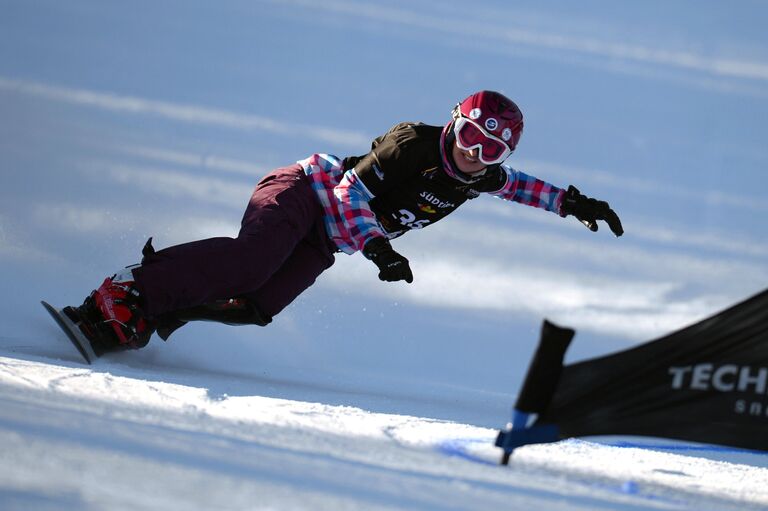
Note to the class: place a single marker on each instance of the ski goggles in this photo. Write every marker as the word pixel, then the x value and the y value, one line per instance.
pixel 470 135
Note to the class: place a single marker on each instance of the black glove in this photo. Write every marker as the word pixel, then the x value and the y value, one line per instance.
pixel 589 211
pixel 392 266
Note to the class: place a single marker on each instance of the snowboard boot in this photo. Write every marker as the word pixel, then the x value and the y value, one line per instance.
pixel 111 316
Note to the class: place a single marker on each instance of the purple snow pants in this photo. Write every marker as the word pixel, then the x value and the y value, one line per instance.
pixel 281 249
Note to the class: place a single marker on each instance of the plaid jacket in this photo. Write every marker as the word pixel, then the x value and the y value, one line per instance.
pixel 404 183
pixel 349 217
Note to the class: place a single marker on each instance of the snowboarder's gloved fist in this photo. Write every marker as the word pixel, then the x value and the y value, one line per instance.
pixel 589 211
pixel 392 266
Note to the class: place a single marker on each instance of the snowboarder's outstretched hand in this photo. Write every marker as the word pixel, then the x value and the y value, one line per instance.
pixel 589 211
pixel 392 266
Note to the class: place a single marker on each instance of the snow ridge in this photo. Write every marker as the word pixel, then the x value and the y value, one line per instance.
pixel 103 430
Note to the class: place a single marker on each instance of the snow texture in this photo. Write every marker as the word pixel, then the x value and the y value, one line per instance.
pixel 124 121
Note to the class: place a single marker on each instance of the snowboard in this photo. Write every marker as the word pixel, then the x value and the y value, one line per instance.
pixel 74 334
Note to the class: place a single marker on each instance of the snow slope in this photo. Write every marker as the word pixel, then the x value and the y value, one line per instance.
pixel 116 437
pixel 120 121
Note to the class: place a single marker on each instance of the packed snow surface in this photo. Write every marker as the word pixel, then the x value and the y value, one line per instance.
pixel 118 437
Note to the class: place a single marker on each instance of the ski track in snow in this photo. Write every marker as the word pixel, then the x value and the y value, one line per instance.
pixel 119 437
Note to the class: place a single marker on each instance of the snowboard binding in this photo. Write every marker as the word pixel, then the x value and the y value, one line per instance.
pixel 111 318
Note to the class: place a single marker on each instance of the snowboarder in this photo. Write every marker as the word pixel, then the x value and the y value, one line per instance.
pixel 301 215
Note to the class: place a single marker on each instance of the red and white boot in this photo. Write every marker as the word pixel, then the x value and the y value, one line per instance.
pixel 111 317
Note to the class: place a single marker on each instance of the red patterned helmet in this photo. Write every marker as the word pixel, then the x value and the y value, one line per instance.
pixel 490 122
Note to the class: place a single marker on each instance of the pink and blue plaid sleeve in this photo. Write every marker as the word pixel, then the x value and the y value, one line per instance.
pixel 348 218
pixel 359 222
pixel 531 191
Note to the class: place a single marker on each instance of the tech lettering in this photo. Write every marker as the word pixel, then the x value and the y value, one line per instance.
pixel 724 378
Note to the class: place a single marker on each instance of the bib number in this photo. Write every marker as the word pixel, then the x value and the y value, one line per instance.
pixel 408 219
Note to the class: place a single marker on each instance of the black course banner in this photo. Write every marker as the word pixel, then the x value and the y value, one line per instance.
pixel 705 383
